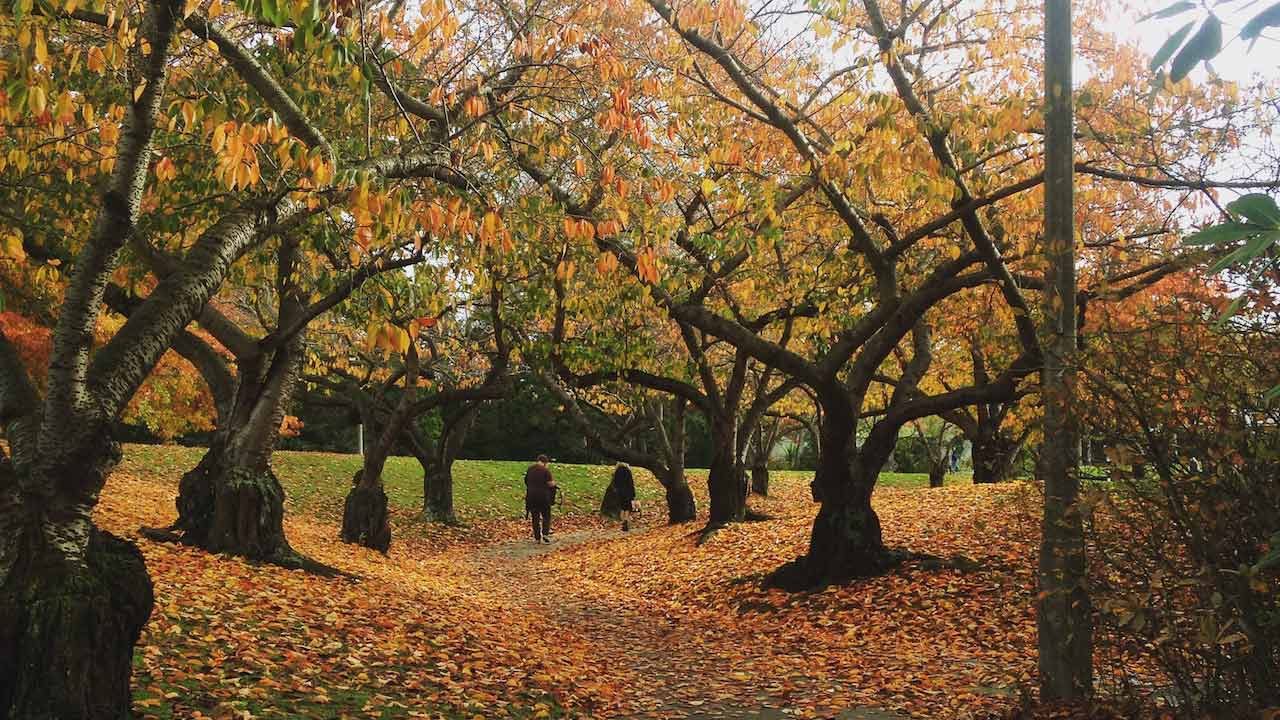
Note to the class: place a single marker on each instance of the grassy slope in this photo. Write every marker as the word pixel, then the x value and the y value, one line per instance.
pixel 484 489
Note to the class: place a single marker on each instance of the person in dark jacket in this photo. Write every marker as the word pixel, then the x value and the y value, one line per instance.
pixel 539 493
pixel 624 485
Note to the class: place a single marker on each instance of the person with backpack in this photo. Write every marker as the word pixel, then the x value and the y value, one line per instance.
pixel 624 486
pixel 539 494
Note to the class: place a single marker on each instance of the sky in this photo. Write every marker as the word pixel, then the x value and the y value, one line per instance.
pixel 1236 62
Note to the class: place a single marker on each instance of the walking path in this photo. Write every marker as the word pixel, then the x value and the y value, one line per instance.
pixel 674 678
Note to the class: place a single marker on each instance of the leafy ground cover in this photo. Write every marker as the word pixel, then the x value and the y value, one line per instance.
pixel 478 622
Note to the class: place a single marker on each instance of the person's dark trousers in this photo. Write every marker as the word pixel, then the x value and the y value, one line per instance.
pixel 541 515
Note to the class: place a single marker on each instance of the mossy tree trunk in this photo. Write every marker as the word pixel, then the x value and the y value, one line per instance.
pixel 73 598
pixel 232 502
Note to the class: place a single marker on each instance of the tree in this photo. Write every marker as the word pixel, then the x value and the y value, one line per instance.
pixel 714 244
pixel 232 501
pixel 763 440
pixel 365 520
pixel 995 445
pixel 715 380
pixel 1064 613
pixel 974 344
pixel 938 439
pixel 73 599
pixel 663 456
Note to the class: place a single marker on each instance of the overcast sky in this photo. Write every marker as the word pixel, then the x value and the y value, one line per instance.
pixel 1237 62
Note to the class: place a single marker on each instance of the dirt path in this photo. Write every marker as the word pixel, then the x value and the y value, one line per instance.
pixel 674 679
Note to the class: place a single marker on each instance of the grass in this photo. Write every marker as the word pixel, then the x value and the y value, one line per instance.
pixel 483 489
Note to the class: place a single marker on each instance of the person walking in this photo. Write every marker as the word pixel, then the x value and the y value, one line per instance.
pixel 539 493
pixel 624 485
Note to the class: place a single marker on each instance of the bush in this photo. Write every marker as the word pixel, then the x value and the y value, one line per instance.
pixel 1187 531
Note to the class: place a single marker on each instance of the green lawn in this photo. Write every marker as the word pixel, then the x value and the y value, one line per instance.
pixel 483 489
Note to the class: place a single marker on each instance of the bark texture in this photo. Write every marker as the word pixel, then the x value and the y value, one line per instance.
pixel 67 632
pixel 232 502
pixel 1064 613
pixel 437 458
pixel 726 481
pixel 364 516
pixel 993 458
pixel 937 475
pixel 73 599
pixel 760 479
pixel 681 507
pixel 437 494
pixel 846 541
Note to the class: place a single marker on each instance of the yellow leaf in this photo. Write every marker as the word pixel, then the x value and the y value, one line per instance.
pixel 41 49
pixel 36 99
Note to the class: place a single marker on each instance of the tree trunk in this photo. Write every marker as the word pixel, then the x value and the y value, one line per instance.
pixel 681 506
pixel 937 474
pixel 73 599
pixel 762 444
pixel 437 471
pixel 232 502
pixel 846 540
pixel 1064 612
pixel 365 520
pixel 993 458
pixel 726 480
pixel 437 491
pixel 760 479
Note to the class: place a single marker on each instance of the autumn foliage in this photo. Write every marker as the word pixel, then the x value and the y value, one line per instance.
pixel 687 222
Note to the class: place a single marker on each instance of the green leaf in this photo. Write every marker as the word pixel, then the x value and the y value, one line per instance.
pixel 1270 395
pixel 1173 43
pixel 1257 208
pixel 271 11
pixel 1175 9
pixel 1252 249
pixel 1221 233
pixel 1205 45
pixel 1265 19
